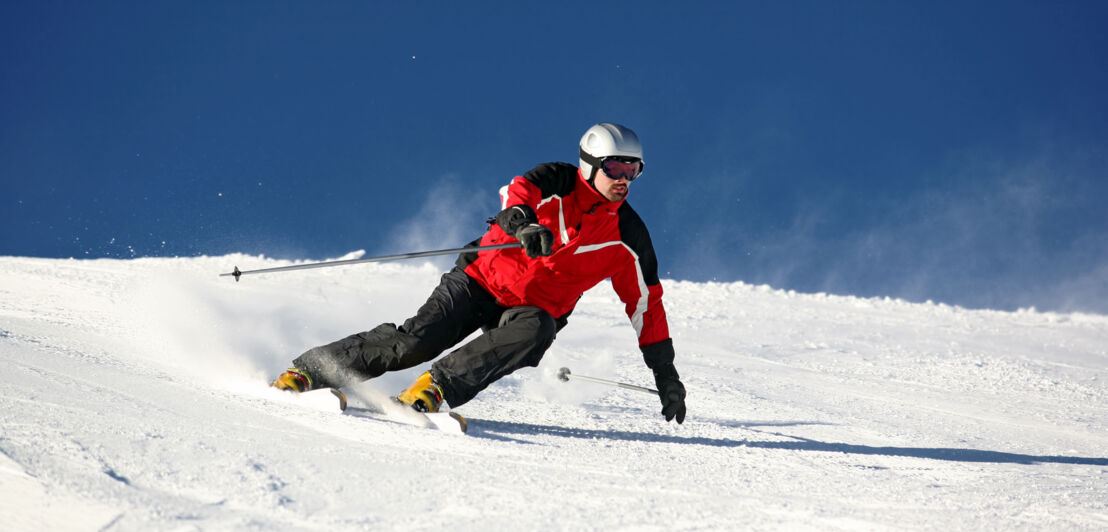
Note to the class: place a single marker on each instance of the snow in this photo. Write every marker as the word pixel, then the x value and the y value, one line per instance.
pixel 134 397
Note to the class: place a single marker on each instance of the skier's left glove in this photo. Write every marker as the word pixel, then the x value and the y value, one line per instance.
pixel 672 393
pixel 659 358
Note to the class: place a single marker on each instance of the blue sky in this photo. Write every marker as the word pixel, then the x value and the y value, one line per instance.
pixel 944 151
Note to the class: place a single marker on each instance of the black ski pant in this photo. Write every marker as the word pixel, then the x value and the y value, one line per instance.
pixel 512 338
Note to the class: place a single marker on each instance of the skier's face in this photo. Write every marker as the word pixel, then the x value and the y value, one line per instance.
pixel 611 189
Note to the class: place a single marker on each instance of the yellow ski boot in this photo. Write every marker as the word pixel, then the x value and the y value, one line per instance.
pixel 423 395
pixel 293 380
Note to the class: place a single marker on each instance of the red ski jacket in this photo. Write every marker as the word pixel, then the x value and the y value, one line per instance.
pixel 594 239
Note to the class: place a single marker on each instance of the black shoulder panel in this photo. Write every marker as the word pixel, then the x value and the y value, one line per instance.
pixel 553 178
pixel 632 231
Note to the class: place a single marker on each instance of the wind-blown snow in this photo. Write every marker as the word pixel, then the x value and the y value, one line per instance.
pixel 133 397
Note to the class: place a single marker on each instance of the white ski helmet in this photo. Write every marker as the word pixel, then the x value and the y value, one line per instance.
pixel 607 140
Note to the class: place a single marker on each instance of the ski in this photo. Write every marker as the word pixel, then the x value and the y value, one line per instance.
pixel 361 402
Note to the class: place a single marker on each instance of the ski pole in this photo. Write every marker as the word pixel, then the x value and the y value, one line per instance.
pixel 238 273
pixel 564 375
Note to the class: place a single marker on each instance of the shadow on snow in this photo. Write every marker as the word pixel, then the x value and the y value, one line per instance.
pixel 502 430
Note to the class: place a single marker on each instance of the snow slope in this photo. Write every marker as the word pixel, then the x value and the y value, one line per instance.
pixel 133 397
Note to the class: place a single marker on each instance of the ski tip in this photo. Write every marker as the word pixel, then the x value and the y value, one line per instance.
pixel 342 398
pixel 462 424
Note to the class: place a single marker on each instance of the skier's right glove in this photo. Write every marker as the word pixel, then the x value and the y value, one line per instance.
pixel 537 240
pixel 659 358
pixel 521 222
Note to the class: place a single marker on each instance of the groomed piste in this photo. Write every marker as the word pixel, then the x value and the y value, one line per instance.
pixel 134 396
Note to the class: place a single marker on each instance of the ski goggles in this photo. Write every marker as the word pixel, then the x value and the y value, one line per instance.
pixel 617 168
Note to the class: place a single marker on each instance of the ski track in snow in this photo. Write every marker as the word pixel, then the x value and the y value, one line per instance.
pixel 134 397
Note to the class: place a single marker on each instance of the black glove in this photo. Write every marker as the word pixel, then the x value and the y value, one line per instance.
pixel 659 357
pixel 536 239
pixel 521 222
pixel 672 393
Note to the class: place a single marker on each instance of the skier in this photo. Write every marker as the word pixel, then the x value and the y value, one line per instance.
pixel 576 229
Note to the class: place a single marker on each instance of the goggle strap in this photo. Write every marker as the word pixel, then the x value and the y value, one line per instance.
pixel 588 158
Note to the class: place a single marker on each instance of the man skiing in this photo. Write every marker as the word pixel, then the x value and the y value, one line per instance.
pixel 576 229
